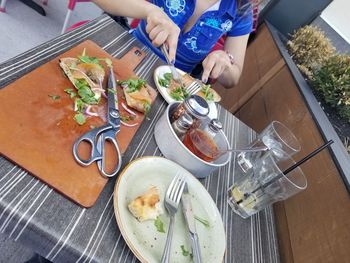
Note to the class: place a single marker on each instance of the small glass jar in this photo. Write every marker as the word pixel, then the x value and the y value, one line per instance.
pixel 182 125
pixel 194 106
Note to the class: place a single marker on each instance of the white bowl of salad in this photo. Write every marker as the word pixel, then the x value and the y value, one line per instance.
pixel 172 92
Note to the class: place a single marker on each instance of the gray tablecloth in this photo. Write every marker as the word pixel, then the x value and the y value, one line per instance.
pixel 40 218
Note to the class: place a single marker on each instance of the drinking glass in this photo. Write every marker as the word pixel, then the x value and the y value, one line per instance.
pixel 279 141
pixel 266 185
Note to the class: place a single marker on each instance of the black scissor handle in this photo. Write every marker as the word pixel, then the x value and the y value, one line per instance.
pixel 90 137
pixel 104 137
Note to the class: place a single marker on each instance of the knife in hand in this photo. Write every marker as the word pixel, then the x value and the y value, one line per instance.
pixel 189 216
pixel 174 72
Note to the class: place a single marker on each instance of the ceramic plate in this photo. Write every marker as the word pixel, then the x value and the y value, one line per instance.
pixel 143 238
pixel 159 72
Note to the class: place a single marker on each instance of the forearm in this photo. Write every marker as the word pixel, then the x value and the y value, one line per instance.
pixel 236 46
pixel 129 8
pixel 230 77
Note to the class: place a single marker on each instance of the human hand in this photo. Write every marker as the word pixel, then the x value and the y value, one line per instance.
pixel 161 29
pixel 215 64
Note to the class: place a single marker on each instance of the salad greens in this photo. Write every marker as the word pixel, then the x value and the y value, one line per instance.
pixel 158 223
pixel 87 59
pixel 208 94
pixel 165 81
pixel 179 93
pixel 133 84
pixel 80 118
pixel 70 92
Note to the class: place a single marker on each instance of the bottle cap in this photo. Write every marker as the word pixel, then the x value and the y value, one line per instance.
pixel 215 125
pixel 185 121
pixel 197 106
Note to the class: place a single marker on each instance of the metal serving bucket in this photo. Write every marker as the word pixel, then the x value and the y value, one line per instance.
pixel 173 149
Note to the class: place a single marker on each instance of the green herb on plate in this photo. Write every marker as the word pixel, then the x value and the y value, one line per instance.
pixel 54 97
pixel 70 92
pixel 179 94
pixel 185 252
pixel 203 221
pixel 208 94
pixel 165 81
pixel 79 118
pixel 168 76
pixel 92 127
pixel 158 223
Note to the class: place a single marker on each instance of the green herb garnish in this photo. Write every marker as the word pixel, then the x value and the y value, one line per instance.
pixel 165 82
pixel 85 92
pixel 92 127
pixel 179 94
pixel 168 76
pixel 70 92
pixel 159 225
pixel 147 106
pixel 185 252
pixel 203 221
pixel 79 118
pixel 87 59
pixel 127 118
pixel 208 94
pixel 79 105
pixel 54 97
pixel 133 84
pixel 112 91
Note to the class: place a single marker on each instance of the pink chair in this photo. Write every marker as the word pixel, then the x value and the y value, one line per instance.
pixel 71 6
pixel 3 6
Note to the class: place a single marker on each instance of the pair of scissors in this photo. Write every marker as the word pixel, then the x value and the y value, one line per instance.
pixel 97 137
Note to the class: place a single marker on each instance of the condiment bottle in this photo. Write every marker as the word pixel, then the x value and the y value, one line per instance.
pixel 182 125
pixel 194 106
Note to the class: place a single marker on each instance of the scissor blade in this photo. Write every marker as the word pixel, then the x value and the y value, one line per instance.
pixel 113 115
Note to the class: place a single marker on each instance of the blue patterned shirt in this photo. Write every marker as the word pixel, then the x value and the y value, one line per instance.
pixel 194 45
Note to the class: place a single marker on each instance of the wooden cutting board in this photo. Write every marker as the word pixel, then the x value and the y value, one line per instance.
pixel 38 132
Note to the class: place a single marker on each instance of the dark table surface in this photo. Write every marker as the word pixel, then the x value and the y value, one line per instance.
pixel 40 218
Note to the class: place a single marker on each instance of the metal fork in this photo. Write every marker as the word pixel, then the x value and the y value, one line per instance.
pixel 172 200
pixel 194 87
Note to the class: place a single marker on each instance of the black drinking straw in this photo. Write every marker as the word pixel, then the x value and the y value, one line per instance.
pixel 288 170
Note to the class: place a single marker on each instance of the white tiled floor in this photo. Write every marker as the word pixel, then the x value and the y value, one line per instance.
pixel 21 28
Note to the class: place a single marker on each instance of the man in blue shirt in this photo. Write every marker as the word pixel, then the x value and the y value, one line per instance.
pixel 191 28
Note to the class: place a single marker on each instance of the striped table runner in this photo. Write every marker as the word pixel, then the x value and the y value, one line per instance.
pixel 35 215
